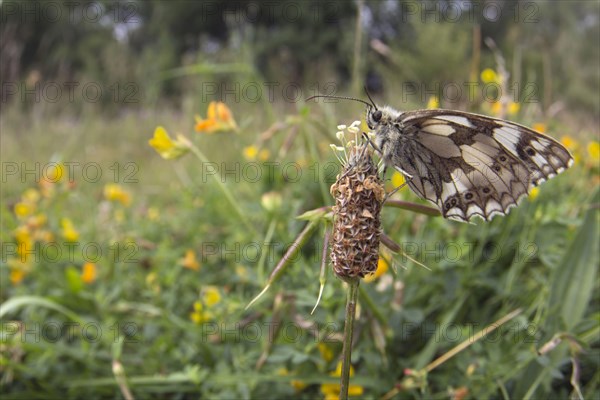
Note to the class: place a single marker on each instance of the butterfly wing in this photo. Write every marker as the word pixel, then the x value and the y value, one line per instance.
pixel 469 164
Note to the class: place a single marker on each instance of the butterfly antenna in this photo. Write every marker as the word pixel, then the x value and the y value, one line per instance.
pixel 369 96
pixel 339 98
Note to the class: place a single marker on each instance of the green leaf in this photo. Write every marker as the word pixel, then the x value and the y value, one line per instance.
pixel 12 305
pixel 574 279
pixel 73 278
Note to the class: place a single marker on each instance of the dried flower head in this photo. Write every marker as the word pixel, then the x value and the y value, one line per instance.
pixel 359 195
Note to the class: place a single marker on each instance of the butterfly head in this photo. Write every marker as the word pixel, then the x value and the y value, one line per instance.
pixel 383 116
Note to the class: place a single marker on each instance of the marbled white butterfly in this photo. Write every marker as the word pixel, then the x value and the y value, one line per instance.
pixel 467 164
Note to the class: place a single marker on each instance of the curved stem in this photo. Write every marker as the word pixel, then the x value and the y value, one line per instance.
pixel 225 191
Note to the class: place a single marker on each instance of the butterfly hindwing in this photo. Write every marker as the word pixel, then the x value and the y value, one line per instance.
pixel 469 164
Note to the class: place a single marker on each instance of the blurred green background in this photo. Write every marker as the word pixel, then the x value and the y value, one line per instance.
pixel 126 275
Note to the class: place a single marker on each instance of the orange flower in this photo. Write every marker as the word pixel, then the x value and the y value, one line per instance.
pixel 569 142
pixel 218 119
pixel 88 275
pixel 19 268
pixel 540 127
pixel 16 276
pixel 190 261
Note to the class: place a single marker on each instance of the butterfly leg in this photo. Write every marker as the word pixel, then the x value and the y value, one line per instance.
pixel 378 150
pixel 390 194
pixel 375 147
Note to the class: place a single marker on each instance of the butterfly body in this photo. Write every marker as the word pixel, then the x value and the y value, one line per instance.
pixel 467 164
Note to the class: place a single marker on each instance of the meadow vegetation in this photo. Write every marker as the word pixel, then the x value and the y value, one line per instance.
pixel 134 235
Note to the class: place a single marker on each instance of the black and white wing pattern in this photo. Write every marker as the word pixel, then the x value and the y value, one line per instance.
pixel 472 165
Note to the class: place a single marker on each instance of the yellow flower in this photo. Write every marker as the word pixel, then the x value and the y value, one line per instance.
pixel 533 193
pixel 488 75
pixel 382 267
pixel 190 261
pixel 23 209
pixel 199 315
pixel 434 102
pixel 593 149
pixel 68 230
pixel 398 179
pixel 115 192
pixel 55 172
pixel 88 275
pixel 211 296
pixel 513 108
pixel 333 389
pixel 296 384
pixel 250 152
pixel 218 119
pixel 326 351
pixel 22 234
pixel 166 147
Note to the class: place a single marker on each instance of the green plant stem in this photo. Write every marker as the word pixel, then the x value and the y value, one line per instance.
pixel 225 191
pixel 287 258
pixel 348 331
pixel 263 253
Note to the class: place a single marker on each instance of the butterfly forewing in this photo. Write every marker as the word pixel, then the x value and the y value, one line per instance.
pixel 468 164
